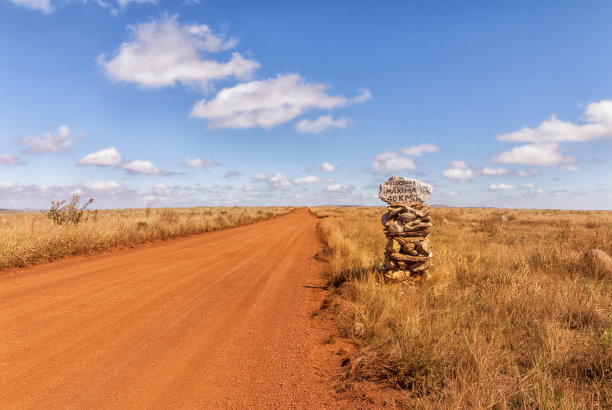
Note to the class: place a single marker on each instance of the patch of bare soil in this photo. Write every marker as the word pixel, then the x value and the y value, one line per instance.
pixel 218 320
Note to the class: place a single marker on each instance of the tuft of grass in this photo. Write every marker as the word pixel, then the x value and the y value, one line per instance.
pixel 28 238
pixel 512 316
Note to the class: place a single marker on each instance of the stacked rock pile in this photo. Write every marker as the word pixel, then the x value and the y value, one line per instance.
pixel 406 224
pixel 408 251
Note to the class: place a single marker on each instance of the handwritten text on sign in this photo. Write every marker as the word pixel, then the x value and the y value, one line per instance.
pixel 403 190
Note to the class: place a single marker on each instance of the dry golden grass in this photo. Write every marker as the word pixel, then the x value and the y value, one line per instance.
pixel 30 237
pixel 512 316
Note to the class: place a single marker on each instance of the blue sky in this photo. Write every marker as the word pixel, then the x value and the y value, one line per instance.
pixel 180 103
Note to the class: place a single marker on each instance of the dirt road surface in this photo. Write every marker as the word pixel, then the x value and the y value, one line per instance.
pixel 219 320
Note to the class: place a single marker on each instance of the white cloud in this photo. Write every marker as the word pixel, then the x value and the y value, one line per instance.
pixel 196 188
pixel 40 5
pixel 124 3
pixel 419 150
pixel 280 180
pixel 199 163
pixel 544 154
pixel 528 185
pixel 283 181
pixel 6 186
pixel 8 159
pixel 103 158
pixel 165 53
pixel 493 171
pixel 311 180
pixel 266 103
pixel 61 141
pixel 108 194
pixel 529 173
pixel 327 166
pixel 390 161
pixel 143 167
pixel 241 187
pixel 395 161
pixel 501 187
pixel 459 170
pixel 364 96
pixel 320 124
pixel 599 125
pixel 459 165
pixel 232 174
pixel 463 175
pixel 47 6
pixel 339 188
pixel 258 177
pixel 544 139
pixel 274 180
pixel 100 185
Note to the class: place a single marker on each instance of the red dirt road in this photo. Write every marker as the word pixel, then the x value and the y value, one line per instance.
pixel 219 320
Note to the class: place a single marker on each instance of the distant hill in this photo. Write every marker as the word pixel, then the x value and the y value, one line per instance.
pixel 7 211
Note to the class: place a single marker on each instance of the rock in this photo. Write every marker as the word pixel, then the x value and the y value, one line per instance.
pixel 408 258
pixel 418 235
pixel 401 264
pixel 422 231
pixel 417 227
pixel 419 222
pixel 598 261
pixel 406 217
pixel 412 253
pixel 409 246
pixel 402 241
pixel 422 213
pixel 393 246
pixel 396 227
pixel 389 264
pixel 408 241
pixel 400 275
pixel 385 220
pixel 424 247
pixel 394 210
pixel 397 190
pixel 417 206
pixel 358 329
pixel 422 267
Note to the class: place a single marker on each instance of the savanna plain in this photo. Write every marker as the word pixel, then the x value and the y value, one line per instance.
pixel 513 315
pixel 27 238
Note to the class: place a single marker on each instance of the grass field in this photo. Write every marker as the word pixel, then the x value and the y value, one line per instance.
pixel 27 238
pixel 512 317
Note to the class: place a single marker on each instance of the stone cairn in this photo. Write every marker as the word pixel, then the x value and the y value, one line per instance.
pixel 406 224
